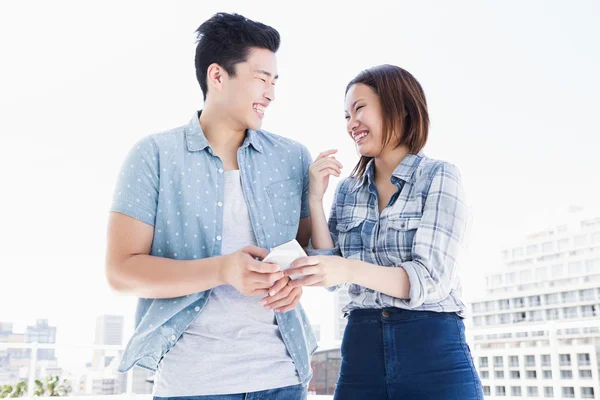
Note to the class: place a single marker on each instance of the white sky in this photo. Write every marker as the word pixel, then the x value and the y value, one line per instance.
pixel 512 88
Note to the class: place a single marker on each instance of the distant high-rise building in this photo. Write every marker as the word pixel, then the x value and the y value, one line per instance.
pixel 12 360
pixel 109 332
pixel 41 332
pixel 536 334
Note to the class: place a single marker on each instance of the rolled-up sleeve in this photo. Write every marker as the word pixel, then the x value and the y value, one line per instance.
pixel 332 224
pixel 438 241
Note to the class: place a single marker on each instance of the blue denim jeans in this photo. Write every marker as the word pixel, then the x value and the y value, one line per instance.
pixel 399 354
pixel 296 392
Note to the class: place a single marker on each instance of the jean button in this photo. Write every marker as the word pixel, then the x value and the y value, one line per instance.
pixel 385 313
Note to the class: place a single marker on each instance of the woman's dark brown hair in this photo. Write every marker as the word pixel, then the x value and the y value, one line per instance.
pixel 403 108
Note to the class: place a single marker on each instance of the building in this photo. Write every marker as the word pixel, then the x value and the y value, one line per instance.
pixel 341 299
pixel 41 332
pixel 109 332
pixel 12 360
pixel 325 363
pixel 537 331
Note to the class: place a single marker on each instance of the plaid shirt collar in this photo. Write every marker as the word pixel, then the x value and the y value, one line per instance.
pixel 404 171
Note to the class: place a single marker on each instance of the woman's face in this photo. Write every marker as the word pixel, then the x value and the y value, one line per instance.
pixel 364 119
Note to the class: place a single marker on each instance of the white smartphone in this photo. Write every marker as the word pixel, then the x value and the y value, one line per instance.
pixel 284 254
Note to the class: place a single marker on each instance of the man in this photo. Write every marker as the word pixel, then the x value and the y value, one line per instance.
pixel 195 209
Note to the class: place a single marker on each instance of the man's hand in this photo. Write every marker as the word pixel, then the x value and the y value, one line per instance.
pixel 282 297
pixel 248 275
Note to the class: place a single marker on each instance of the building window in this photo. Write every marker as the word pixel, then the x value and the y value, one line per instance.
pixel 513 361
pixel 552 298
pixel 532 250
pixel 563 244
pixel 547 247
pixel 519 302
pixel 583 359
pixel 525 275
pixel 486 391
pixel 532 391
pixel 570 297
pixel 518 252
pixel 515 375
pixel 496 280
pixel 515 390
pixel 483 362
pixel 535 301
pixel 585 374
pixel 499 374
pixel 530 361
pixel 498 362
pixel 484 374
pixel 557 270
pixel 546 360
pixel 511 278
pixel 587 294
pixel 575 268
pixel 504 304
pixel 547 374
pixel 568 392
pixel 566 374
pixel 501 391
pixel 592 266
pixel 548 391
pixel 565 360
pixel 519 317
pixel 541 274
pixel 571 312
pixel 587 392
pixel 588 311
pixel 531 374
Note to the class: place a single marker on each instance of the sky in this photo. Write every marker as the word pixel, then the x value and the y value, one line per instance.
pixel 512 89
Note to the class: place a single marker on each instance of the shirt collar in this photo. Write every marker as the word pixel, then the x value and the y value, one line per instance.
pixel 404 171
pixel 196 140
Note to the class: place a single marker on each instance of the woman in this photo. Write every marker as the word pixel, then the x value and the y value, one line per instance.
pixel 394 235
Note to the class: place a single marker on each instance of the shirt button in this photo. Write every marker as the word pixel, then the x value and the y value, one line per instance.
pixel 220 204
pixel 218 237
pixel 385 313
pixel 173 337
pixel 220 170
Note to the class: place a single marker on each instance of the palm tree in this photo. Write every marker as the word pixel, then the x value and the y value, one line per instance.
pixel 54 387
pixel 20 389
pixel 5 391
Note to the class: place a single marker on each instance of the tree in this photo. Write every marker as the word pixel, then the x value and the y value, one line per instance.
pixel 53 387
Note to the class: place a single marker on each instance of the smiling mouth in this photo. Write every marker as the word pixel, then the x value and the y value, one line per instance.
pixel 359 136
pixel 260 109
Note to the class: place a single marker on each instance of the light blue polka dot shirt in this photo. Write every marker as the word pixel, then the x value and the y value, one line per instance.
pixel 174 181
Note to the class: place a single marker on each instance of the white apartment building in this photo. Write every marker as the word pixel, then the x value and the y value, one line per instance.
pixel 536 334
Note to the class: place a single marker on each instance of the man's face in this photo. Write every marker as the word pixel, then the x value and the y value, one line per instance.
pixel 248 94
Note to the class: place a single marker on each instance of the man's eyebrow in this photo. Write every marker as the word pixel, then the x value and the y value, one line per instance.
pixel 262 71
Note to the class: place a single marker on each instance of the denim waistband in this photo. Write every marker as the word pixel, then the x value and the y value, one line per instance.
pixel 395 314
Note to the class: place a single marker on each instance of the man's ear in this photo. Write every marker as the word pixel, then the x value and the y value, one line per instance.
pixel 214 76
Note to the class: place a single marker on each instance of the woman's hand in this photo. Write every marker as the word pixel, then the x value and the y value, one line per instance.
pixel 321 271
pixel 319 172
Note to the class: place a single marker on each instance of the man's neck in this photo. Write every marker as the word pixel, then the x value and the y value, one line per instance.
pixel 222 132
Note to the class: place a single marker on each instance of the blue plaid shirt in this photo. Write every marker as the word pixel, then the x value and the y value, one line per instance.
pixel 421 230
